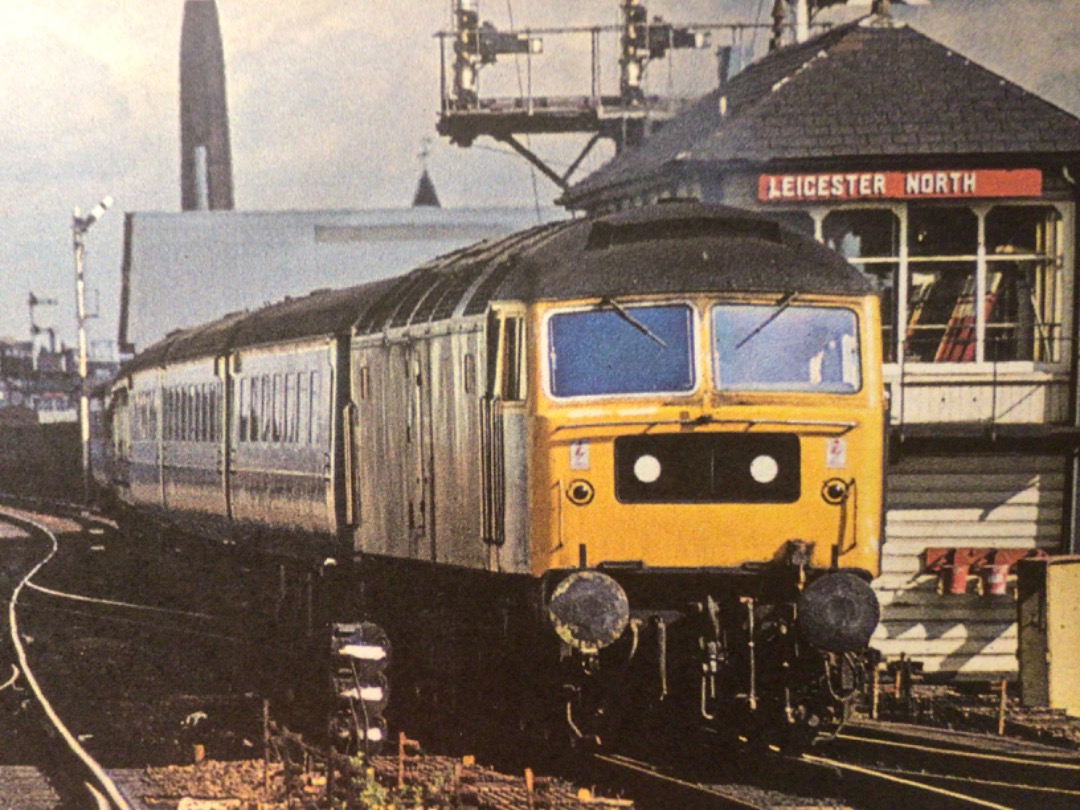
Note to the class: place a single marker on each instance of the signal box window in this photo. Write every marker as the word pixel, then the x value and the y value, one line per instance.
pixel 870 240
pixel 943 244
pixel 1024 306
pixel 979 284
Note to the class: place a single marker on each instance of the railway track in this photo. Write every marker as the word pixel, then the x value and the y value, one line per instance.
pixel 964 770
pixel 869 766
pixel 134 650
pixel 654 787
pixel 141 652
pixel 45 765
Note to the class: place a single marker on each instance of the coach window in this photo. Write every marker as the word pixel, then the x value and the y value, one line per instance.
pixel 313 412
pixel 215 411
pixel 254 409
pixel 205 411
pixel 192 413
pixel 241 410
pixel 303 405
pixel 200 413
pixel 270 412
pixel 280 407
pixel 288 405
pixel 870 240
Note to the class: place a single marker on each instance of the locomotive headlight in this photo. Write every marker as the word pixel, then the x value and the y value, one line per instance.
pixel 589 610
pixel 838 612
pixel 647 469
pixel 764 469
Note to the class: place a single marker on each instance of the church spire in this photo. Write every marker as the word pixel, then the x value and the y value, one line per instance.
pixel 425 189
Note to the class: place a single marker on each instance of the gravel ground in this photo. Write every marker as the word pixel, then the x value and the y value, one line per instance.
pixel 251 785
pixel 430 782
pixel 977 707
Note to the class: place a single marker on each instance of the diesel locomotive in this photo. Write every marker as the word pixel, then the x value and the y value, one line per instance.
pixel 599 474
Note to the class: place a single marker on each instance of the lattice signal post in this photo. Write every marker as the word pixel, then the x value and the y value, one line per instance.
pixel 625 117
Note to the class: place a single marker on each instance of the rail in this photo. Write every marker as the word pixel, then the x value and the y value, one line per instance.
pixel 99 784
pixel 967 770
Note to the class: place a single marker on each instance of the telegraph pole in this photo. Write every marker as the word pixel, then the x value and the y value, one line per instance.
pixel 79 226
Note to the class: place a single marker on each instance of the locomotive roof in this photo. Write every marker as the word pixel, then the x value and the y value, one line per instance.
pixel 672 247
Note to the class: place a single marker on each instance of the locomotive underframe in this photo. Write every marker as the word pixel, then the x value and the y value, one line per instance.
pixel 476 654
pixel 719 645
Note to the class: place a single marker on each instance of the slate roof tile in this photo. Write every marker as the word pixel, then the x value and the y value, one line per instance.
pixel 859 90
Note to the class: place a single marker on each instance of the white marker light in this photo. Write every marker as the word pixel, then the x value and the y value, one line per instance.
pixel 363 652
pixel 764 469
pixel 647 469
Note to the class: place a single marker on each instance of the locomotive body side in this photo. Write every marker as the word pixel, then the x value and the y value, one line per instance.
pixel 417 424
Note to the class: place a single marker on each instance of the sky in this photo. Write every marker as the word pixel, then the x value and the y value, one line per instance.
pixel 330 103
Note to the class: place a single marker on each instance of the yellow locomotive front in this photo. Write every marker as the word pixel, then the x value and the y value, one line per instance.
pixel 703 432
pixel 706 503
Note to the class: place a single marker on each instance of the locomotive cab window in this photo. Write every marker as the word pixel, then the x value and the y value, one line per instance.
pixel 615 349
pixel 506 353
pixel 761 347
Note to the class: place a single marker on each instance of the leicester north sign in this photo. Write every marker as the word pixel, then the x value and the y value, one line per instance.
pixel 907 185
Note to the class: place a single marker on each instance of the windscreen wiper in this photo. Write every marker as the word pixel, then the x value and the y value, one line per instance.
pixel 785 302
pixel 607 303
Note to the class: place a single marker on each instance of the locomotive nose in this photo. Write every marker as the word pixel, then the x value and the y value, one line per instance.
pixel 838 612
pixel 589 610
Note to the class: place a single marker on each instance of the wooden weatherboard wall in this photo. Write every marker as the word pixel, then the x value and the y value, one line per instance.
pixel 979 500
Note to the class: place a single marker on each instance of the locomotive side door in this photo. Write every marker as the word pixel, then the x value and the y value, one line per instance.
pixel 419 481
pixel 504 443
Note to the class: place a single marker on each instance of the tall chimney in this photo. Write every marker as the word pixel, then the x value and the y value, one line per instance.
pixel 205 160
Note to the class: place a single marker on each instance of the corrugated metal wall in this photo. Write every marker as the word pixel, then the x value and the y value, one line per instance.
pixel 991 501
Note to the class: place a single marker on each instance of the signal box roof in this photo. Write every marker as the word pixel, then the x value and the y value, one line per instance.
pixel 868 90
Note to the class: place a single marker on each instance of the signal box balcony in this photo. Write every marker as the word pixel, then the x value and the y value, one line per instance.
pixel 502 118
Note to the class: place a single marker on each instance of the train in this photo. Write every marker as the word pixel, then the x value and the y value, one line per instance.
pixel 600 477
